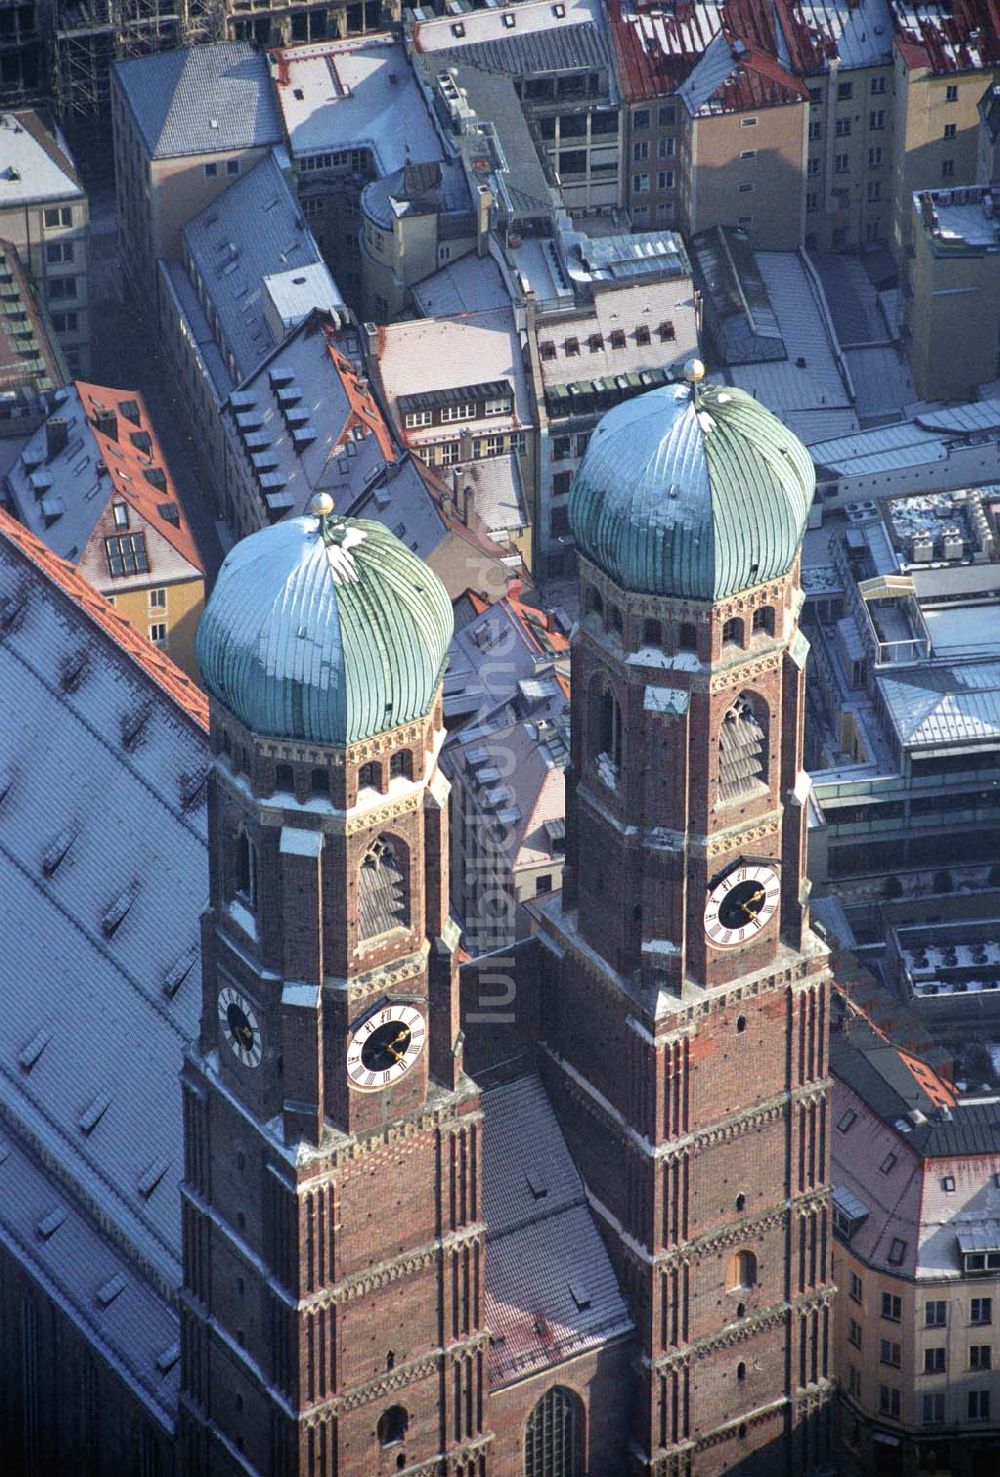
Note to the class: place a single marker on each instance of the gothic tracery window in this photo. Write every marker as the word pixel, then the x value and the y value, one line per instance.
pixel 382 888
pixel 742 751
pixel 553 1439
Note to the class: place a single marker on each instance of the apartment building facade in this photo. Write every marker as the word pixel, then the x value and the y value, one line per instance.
pixel 915 1165
pixel 954 307
pixel 45 215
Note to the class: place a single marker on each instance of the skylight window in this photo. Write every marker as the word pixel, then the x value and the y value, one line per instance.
pixel 127 555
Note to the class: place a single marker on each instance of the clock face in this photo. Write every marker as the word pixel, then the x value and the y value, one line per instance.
pixel 741 904
pixel 385 1047
pixel 240 1026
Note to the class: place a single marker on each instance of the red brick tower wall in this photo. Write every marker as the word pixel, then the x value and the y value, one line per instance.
pixel 333 1240
pixel 691 1079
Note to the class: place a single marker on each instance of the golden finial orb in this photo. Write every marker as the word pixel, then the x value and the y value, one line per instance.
pixel 321 505
pixel 694 371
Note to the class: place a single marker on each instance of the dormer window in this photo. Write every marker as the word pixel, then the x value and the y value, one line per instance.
pixel 120 511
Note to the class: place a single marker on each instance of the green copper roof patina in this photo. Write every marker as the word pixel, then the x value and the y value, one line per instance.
pixel 327 630
pixel 692 490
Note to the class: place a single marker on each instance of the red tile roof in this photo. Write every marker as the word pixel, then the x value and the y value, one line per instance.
pixel 128 464
pixel 363 411
pixel 157 666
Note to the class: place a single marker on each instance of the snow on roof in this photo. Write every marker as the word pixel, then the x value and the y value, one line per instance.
pixel 853 33
pixel 358 94
pixel 957 218
pixel 61 498
pixel 497 492
pixel 103 856
pixel 201 99
pixel 253 230
pixel 658 45
pixel 308 385
pixel 627 329
pixel 137 1330
pixel 551 1292
pixel 492 653
pixel 930 706
pixel 505 22
pixel 945 37
pixel 813 404
pixel 470 285
pixel 927 438
pixel 428 354
pixel 35 165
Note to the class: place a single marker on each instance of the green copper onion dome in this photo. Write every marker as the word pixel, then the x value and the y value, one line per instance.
pixel 323 629
pixel 691 490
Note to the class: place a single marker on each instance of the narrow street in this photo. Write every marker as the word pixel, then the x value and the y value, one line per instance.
pixel 124 356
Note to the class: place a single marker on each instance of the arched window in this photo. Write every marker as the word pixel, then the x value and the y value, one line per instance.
pixel 616 619
pixel 610 735
pixel 652 633
pixel 741 1273
pixel 392 1425
pixel 382 889
pixel 246 870
pixel 763 620
pixel 741 1371
pixel 320 782
pixel 401 765
pixel 595 602
pixel 687 637
pixel 370 776
pixel 553 1440
pixel 283 777
pixel 742 751
pixel 732 632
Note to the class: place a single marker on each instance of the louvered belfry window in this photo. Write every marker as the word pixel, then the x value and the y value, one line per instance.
pixel 742 752
pixel 382 903
pixel 553 1441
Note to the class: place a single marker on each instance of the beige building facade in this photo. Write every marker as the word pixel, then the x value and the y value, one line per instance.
pixel 915 1166
pixel 746 169
pixel 954 307
pixel 936 133
pixel 45 214
pixel 172 161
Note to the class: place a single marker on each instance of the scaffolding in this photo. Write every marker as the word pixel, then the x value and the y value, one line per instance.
pixel 77 40
pixel 23 28
pixel 90 34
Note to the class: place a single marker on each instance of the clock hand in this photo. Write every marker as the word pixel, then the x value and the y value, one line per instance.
pixel 754 898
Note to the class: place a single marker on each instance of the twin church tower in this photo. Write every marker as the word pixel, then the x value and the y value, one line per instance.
pixel 335 1239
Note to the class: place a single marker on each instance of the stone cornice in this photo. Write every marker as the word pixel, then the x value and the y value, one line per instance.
pixel 383 977
pixel 734 1334
pixel 399 1378
pixel 417 1259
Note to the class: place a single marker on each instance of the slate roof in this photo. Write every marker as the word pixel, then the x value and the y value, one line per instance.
pixel 202 99
pixel 252 231
pixel 351 444
pixel 103 762
pixel 92 468
pixel 569 49
pixel 928 706
pixel 551 1292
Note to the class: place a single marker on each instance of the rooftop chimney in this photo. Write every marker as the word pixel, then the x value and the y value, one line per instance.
pixel 56 436
pixel 106 422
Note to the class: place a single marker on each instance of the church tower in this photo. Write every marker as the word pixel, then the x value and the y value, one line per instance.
pixel 685 1025
pixel 333 1242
